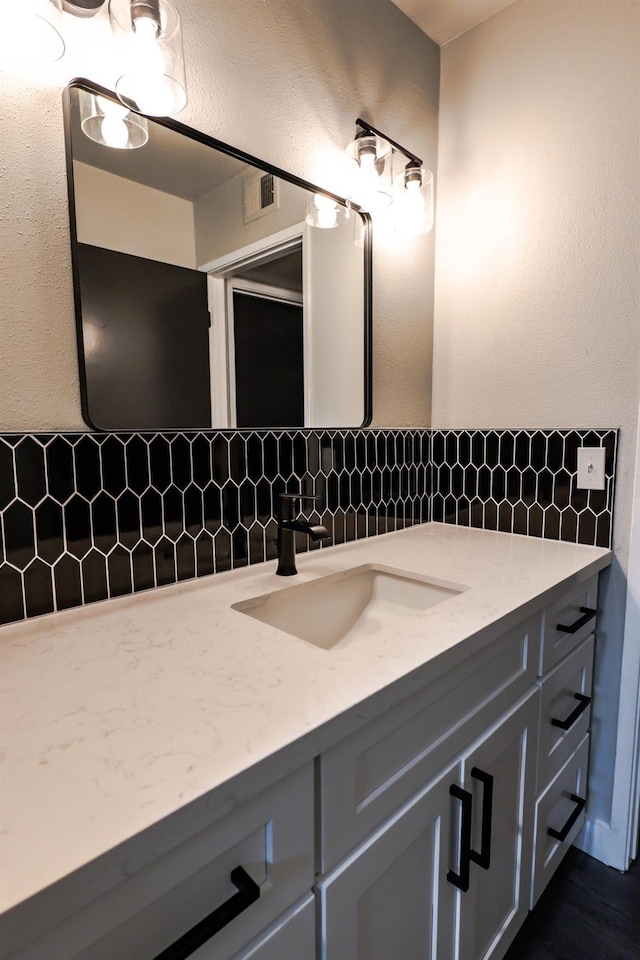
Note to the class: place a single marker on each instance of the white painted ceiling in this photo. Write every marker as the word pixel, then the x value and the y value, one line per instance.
pixel 444 20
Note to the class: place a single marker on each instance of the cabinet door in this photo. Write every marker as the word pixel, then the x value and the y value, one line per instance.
pixel 499 773
pixel 388 900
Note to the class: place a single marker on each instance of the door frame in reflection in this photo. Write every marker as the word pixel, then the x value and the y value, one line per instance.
pixel 222 282
pixel 273 364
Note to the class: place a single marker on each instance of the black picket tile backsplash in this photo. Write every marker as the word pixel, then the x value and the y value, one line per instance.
pixel 84 517
pixel 522 481
pixel 90 516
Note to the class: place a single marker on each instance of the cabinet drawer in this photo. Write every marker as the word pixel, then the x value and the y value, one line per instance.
pixel 568 611
pixel 565 710
pixel 367 776
pixel 270 837
pixel 560 809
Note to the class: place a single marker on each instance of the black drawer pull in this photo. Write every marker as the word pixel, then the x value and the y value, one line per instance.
pixel 483 858
pixel 248 893
pixel 575 713
pixel 587 614
pixel 461 880
pixel 561 835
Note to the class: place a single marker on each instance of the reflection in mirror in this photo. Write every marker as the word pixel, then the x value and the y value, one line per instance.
pixel 204 296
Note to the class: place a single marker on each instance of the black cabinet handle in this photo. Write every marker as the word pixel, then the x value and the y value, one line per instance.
pixel 248 893
pixel 587 614
pixel 483 858
pixel 561 835
pixel 461 880
pixel 575 713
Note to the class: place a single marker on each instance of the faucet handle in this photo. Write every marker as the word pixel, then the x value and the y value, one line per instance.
pixel 288 503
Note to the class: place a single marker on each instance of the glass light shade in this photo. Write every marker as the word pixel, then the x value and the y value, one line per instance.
pixel 153 78
pixel 325 212
pixel 414 207
pixel 30 33
pixel 110 123
pixel 372 155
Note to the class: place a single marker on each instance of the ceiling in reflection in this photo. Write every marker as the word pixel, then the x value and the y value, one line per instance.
pixel 169 161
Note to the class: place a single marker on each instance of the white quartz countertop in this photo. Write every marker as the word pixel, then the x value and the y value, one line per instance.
pixel 115 715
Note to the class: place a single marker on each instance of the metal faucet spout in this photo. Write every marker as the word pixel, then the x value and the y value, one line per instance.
pixel 314 532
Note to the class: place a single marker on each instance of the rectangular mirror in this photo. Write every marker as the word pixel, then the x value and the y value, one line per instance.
pixel 212 290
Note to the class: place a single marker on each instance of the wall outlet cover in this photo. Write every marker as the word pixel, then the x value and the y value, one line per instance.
pixel 591 468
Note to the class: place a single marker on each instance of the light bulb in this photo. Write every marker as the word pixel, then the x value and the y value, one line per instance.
pixel 145 29
pixel 415 200
pixel 414 189
pixel 110 123
pixel 151 90
pixel 368 174
pixel 324 212
pixel 114 132
pixel 412 217
pixel 327 211
pixel 370 193
pixel 113 127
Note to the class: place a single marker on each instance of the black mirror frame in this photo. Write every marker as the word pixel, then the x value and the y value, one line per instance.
pixel 90 87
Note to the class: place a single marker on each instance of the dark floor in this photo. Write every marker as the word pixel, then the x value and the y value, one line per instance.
pixel 588 912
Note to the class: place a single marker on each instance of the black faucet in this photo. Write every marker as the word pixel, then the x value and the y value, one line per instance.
pixel 288 523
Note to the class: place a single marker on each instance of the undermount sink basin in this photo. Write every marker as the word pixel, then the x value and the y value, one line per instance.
pixel 337 610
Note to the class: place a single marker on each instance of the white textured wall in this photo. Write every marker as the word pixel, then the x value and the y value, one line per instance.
pixel 537 318
pixel 281 79
pixel 129 217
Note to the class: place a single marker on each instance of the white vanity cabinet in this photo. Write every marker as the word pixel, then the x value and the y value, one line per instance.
pixel 425 833
pixel 448 875
pixel 442 821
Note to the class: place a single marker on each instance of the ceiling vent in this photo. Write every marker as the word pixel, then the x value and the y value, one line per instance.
pixel 260 196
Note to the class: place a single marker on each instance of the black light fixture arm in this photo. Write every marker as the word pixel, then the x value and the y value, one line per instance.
pixel 407 153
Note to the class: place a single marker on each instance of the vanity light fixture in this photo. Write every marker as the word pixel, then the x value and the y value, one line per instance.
pixel 110 123
pixel 31 33
pixel 325 212
pixel 411 183
pixel 153 80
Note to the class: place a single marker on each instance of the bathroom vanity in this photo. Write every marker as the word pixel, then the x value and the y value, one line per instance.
pixel 403 787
